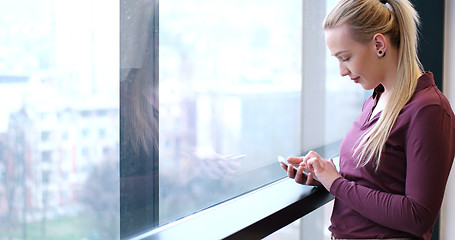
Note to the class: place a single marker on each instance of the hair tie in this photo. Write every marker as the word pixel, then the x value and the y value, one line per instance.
pixel 386 4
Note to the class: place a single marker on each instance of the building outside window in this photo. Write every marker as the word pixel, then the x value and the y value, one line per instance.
pixel 215 91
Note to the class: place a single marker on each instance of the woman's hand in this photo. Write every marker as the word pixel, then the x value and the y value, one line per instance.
pixel 324 170
pixel 298 175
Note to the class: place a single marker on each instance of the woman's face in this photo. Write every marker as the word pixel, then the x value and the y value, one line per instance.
pixel 357 60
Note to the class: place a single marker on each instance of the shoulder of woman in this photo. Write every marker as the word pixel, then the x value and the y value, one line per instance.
pixel 427 94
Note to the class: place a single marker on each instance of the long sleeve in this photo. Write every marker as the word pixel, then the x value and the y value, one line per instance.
pixel 429 150
pixel 404 196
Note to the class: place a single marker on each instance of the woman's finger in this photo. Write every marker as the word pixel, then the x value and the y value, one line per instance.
pixel 310 163
pixel 296 160
pixel 300 177
pixel 290 171
pixel 284 167
pixel 310 179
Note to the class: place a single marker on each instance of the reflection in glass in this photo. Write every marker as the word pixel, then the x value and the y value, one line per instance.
pixel 138 117
pixel 230 90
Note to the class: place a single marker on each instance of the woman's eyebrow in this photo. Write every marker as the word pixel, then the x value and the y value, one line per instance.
pixel 340 52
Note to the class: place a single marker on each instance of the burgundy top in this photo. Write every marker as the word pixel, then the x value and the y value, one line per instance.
pixel 404 196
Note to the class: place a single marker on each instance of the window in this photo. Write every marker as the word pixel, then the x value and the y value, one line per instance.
pixel 101 133
pixel 46 156
pixel 85 132
pixel 236 89
pixel 46 177
pixel 45 136
pixel 208 95
pixel 58 64
pixel 230 89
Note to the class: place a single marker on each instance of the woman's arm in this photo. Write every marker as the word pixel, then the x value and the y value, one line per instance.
pixel 429 156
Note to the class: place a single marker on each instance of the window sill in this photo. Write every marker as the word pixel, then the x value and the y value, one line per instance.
pixel 252 215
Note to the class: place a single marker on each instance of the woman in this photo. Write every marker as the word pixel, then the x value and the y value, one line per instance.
pixel 395 160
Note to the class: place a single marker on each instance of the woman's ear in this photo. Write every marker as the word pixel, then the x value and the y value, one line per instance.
pixel 380 44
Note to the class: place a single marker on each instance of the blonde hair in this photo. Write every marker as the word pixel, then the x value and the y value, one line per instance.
pixel 397 19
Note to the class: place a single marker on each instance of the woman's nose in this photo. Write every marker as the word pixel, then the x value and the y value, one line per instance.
pixel 344 71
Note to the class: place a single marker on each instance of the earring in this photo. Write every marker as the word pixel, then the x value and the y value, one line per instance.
pixel 380 53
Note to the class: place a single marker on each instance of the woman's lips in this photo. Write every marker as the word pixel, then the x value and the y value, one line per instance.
pixel 356 80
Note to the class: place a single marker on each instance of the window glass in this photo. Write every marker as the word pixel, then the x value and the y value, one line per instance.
pixel 76 145
pixel 58 69
pixel 230 92
pixel 239 84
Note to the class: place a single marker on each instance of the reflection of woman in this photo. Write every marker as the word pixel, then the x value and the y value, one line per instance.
pixel 138 119
pixel 138 156
pixel 395 160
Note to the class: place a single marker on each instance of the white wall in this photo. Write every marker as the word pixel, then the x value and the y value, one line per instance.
pixel 448 207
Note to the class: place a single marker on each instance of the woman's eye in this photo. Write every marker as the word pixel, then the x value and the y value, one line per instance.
pixel 345 59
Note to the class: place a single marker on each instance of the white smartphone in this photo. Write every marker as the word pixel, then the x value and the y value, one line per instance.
pixel 283 160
